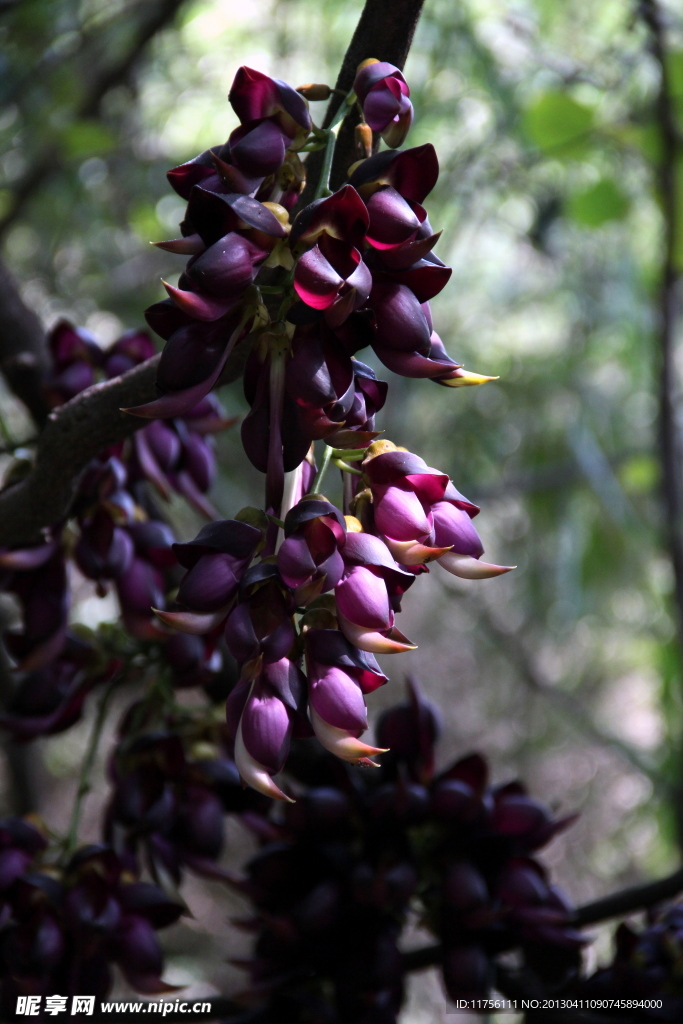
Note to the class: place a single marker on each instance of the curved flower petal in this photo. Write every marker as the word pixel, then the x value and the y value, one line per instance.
pixel 340 743
pixel 468 568
pixel 254 774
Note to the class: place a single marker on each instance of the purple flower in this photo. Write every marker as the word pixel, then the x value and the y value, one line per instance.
pixel 262 713
pixel 412 172
pixel 383 93
pixel 41 585
pixel 260 626
pixel 343 216
pixel 410 731
pixel 421 515
pixel 364 607
pixel 215 560
pixel 319 380
pixel 254 95
pixel 76 357
pixel 332 277
pixel 314 534
pixel 339 675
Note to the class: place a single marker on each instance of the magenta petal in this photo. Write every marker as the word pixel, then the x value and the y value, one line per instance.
pixel 338 699
pixel 333 569
pixel 453 527
pixel 363 599
pixel 372 75
pixel 342 215
pixel 396 131
pixel 200 306
pixel 266 730
pixel 226 268
pixel 365 549
pixel 399 514
pixel 179 402
pixel 425 279
pixel 392 220
pixel 28 558
pixel 315 280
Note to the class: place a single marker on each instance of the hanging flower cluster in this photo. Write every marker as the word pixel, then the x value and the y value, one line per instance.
pixel 122 542
pixel 645 973
pixel 305 609
pixel 333 885
pixel 63 929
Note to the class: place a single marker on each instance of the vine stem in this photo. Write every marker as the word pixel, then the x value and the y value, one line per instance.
pixel 275 476
pixel 323 188
pixel 327 457
pixel 84 781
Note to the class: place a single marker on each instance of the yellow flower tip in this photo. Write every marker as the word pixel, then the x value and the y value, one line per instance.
pixel 353 525
pixel 366 63
pixel 379 448
pixel 465 378
pixel 279 212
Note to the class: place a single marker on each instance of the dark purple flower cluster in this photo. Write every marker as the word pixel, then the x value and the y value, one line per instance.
pixel 646 970
pixel 167 810
pixel 355 268
pixel 64 929
pixel 122 542
pixel 333 884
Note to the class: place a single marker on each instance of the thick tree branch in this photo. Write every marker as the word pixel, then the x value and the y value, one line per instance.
pixel 385 31
pixel 76 433
pixel 23 354
pixel 154 18
pixel 619 904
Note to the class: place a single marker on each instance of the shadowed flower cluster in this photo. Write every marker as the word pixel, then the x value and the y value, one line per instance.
pixel 64 929
pixel 335 884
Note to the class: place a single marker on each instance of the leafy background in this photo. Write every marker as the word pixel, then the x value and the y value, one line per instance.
pixel 567 671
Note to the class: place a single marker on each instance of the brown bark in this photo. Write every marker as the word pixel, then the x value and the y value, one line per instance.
pixel 23 355
pixel 74 434
pixel 385 31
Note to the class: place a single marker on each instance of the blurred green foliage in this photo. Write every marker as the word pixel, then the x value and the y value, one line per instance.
pixel 543 115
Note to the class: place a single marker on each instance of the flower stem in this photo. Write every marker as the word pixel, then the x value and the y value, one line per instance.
pixel 84 782
pixel 275 476
pixel 323 188
pixel 327 457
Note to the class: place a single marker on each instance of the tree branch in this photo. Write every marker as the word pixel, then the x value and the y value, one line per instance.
pixel 619 904
pixel 385 31
pixel 76 433
pixel 23 354
pixel 49 161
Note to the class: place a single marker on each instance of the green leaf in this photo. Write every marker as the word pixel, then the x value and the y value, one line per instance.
pixel 639 474
pixel 87 138
pixel 598 204
pixel 558 124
